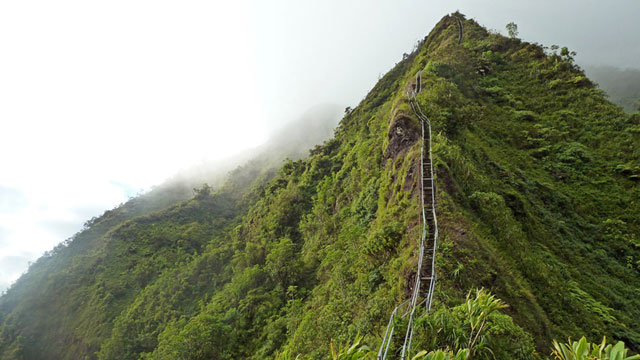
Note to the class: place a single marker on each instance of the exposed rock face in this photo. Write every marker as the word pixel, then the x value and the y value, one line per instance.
pixel 403 133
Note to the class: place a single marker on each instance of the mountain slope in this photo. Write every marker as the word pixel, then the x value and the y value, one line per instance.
pixel 117 254
pixel 537 187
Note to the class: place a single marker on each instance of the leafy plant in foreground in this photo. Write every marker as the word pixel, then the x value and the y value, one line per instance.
pixel 353 352
pixel 479 310
pixel 583 350
pixel 442 355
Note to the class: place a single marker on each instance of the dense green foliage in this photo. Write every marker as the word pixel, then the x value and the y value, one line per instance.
pixel 479 331
pixel 583 350
pixel 537 195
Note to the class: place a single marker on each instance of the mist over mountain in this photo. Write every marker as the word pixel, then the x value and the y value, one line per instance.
pixel 536 176
pixel 289 142
pixel 622 85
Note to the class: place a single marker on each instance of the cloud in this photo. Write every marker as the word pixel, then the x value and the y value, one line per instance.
pixel 11 199
pixel 36 218
pixel 63 229
pixel 11 267
pixel 3 238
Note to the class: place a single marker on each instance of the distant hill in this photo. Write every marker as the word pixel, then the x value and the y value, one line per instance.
pixel 622 85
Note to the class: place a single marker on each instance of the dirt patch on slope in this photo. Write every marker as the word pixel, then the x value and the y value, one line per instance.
pixel 403 133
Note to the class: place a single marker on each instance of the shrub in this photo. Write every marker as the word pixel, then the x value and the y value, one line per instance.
pixel 583 350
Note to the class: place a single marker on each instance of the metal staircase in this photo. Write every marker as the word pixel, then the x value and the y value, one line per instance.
pixel 422 292
pixel 425 279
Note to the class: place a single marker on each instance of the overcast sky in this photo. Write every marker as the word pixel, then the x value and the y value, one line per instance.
pixel 102 99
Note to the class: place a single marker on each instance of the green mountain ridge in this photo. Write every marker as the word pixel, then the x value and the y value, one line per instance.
pixel 537 199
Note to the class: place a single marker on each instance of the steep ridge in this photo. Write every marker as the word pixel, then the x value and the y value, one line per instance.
pixel 429 238
pixel 425 274
pixel 537 201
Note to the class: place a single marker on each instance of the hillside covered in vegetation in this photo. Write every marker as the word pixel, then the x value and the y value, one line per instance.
pixel 538 188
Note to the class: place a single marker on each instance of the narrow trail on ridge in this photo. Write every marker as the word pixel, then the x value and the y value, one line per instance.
pixel 425 279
